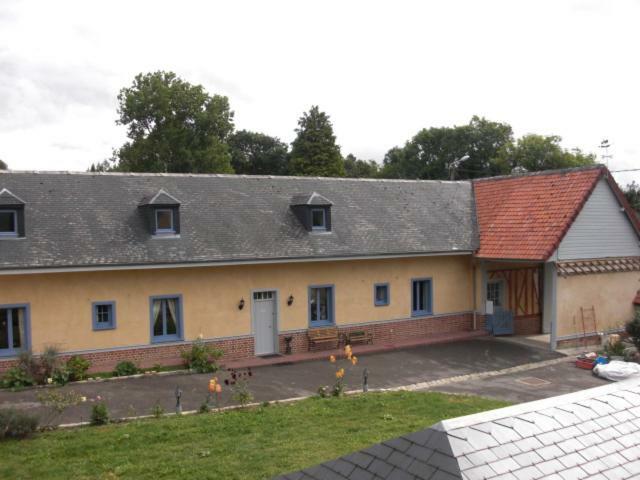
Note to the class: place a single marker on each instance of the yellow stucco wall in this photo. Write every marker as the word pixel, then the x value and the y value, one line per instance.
pixel 610 293
pixel 61 302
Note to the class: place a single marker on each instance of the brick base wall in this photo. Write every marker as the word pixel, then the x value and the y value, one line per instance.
pixel 387 332
pixel 239 348
pixel 528 324
pixel 590 341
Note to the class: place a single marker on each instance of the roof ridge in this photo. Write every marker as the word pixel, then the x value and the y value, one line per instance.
pixel 557 171
pixel 230 175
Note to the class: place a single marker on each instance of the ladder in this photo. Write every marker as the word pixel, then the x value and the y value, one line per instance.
pixel 589 324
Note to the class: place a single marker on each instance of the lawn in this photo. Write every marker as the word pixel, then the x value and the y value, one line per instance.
pixel 251 444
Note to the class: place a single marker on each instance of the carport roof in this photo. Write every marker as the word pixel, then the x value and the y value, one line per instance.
pixel 593 433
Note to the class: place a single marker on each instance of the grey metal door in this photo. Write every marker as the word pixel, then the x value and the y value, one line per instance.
pixel 265 322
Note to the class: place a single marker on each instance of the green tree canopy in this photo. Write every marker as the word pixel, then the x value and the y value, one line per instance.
pixel 173 126
pixel 254 153
pixel 314 152
pixel 632 192
pixel 430 154
pixel 356 168
pixel 3 165
pixel 538 152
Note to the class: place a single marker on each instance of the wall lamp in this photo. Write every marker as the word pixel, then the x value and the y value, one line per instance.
pixel 290 300
pixel 241 304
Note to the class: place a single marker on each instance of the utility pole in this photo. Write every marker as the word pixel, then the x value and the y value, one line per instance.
pixel 454 165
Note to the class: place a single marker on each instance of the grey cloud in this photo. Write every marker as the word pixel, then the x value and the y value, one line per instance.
pixel 37 93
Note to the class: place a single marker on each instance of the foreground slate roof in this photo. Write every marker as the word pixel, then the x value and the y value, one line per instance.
pixel 592 434
pixel 89 219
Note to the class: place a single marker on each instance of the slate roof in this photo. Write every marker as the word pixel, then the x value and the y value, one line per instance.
pixel 93 219
pixel 592 434
pixel 525 217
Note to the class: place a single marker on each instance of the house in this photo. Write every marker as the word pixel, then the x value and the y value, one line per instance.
pixel 592 433
pixel 136 266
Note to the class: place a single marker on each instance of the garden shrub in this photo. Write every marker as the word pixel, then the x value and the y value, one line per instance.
pixel 157 410
pixel 125 368
pixel 61 375
pixel 17 377
pixel 633 329
pixel 16 424
pixel 48 361
pixel 99 414
pixel 201 358
pixel 30 366
pixel 77 367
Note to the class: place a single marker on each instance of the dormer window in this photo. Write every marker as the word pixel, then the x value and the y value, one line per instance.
pixel 8 223
pixel 11 215
pixel 162 212
pixel 318 219
pixel 313 211
pixel 164 221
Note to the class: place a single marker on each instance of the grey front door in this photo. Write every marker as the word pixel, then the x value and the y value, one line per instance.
pixel 265 322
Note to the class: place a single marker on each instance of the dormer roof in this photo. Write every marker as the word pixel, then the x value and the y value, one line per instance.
pixel 7 198
pixel 160 198
pixel 310 199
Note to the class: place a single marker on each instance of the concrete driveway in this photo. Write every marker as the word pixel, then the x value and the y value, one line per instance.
pixel 130 397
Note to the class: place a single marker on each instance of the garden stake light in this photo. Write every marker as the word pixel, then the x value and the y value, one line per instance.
pixel 178 402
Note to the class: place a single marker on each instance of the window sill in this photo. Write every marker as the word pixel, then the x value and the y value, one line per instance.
pixel 322 324
pixel 165 236
pixel 421 314
pixel 99 329
pixel 166 340
pixel 4 354
pixel 381 304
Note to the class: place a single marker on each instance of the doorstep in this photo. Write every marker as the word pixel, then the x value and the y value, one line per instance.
pixel 357 350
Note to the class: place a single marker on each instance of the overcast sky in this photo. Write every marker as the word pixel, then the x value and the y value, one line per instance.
pixel 381 69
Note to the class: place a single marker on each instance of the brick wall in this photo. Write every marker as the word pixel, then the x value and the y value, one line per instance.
pixel 528 324
pixel 238 348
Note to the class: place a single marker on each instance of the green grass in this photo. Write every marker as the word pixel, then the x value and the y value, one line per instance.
pixel 251 444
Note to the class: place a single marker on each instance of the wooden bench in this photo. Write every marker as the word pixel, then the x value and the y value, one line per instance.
pixel 321 336
pixel 359 336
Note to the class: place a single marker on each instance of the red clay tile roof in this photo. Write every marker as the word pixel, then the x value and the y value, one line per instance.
pixel 525 217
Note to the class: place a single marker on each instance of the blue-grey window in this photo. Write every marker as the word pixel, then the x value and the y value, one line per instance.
pixel 166 318
pixel 104 315
pixel 421 296
pixel 321 305
pixel 381 294
pixel 14 329
pixel 8 223
pixel 164 221
pixel 318 219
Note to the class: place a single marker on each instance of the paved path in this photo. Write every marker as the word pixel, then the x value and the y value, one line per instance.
pixel 130 397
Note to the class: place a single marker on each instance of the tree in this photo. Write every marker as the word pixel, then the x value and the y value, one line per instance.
pixel 314 152
pixel 3 165
pixel 356 168
pixel 432 152
pixel 632 192
pixel 104 166
pixel 173 126
pixel 538 152
pixel 254 153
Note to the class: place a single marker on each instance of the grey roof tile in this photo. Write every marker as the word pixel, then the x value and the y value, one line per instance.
pixel 399 444
pixel 421 470
pixel 379 450
pixel 527 458
pixel 528 473
pixel 341 466
pixel 575 473
pixel 401 460
pixel 380 468
pixel 230 218
pixel 550 466
pixel 360 459
pixel 488 445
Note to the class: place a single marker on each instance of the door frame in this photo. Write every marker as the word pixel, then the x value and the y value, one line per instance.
pixel 276 323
